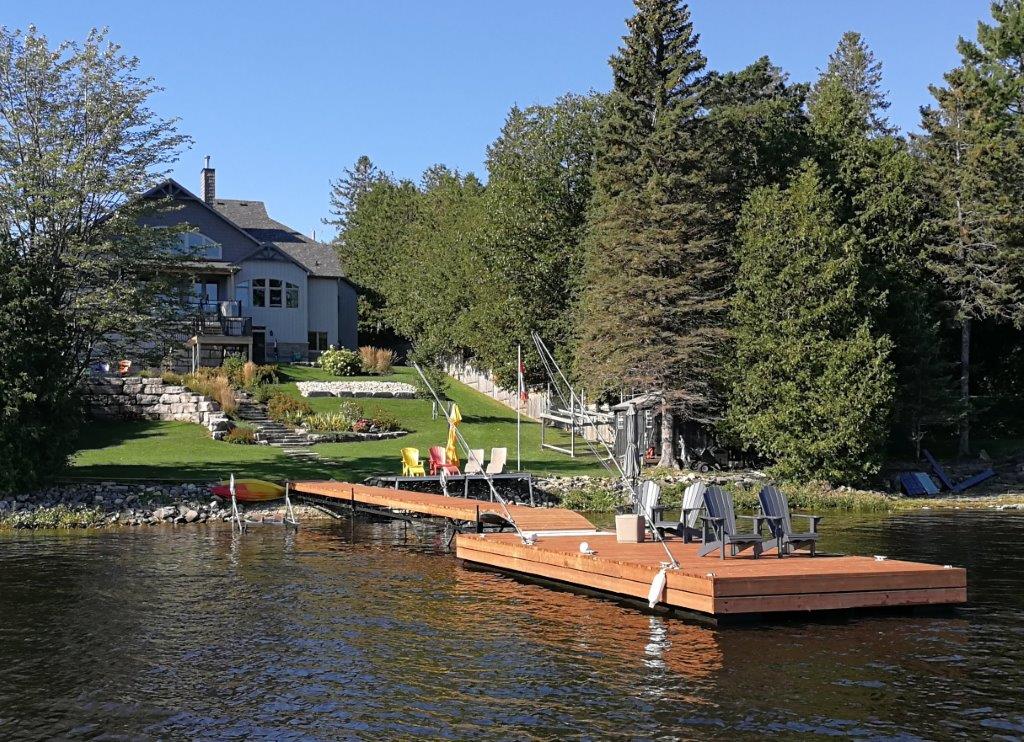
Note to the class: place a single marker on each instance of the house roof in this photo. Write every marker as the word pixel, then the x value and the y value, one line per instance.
pixel 319 259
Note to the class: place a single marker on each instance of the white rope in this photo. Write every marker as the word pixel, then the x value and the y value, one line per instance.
pixel 471 455
pixel 550 363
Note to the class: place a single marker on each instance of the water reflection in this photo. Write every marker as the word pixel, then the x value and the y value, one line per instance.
pixel 369 630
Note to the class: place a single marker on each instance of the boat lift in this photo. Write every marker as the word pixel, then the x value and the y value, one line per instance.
pixel 577 418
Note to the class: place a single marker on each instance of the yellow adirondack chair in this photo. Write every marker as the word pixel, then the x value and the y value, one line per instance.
pixel 411 466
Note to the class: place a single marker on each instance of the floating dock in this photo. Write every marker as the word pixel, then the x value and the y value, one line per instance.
pixel 720 588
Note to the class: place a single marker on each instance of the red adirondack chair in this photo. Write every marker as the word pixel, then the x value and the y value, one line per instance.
pixel 437 462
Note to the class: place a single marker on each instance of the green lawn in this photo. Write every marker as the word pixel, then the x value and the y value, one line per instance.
pixel 181 451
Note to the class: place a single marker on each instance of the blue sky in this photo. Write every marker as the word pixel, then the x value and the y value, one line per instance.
pixel 284 95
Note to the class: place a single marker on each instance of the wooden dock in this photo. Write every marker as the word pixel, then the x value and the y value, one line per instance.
pixel 460 509
pixel 720 588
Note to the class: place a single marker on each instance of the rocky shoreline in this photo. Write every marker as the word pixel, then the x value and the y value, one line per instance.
pixel 109 504
pixel 113 504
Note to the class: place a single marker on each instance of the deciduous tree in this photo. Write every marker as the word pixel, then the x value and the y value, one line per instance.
pixel 80 279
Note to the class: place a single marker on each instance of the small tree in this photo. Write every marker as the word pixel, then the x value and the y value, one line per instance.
pixel 814 385
pixel 80 278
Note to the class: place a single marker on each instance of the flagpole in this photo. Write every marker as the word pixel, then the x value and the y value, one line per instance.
pixel 519 406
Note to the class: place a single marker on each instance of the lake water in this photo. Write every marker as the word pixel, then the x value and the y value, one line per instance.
pixel 373 632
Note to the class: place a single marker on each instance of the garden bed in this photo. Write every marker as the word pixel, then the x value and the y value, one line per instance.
pixel 387 389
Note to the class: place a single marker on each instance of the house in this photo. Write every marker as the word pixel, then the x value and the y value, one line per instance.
pixel 262 289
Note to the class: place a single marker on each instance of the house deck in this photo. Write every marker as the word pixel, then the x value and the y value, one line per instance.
pixel 716 587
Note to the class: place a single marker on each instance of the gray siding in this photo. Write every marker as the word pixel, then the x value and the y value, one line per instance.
pixel 288 325
pixel 323 307
pixel 348 320
pixel 234 244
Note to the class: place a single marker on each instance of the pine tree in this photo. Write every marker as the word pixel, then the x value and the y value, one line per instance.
pixel 856 76
pixel 816 386
pixel 757 125
pixel 654 308
pixel 974 153
pixel 346 191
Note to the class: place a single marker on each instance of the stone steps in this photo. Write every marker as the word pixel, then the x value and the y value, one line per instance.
pixel 274 433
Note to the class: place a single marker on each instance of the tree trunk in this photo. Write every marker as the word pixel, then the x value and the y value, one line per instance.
pixel 964 448
pixel 668 449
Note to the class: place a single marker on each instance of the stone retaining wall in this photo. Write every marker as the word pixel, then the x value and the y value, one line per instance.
pixel 137 398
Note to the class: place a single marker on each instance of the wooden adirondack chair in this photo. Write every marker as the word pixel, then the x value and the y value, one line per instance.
pixel 474 464
pixel 497 463
pixel 438 462
pixel 719 526
pixel 411 464
pixel 775 512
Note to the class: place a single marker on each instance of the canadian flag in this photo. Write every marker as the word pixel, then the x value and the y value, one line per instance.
pixel 523 395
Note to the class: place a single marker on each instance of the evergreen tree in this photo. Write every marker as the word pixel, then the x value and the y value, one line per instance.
pixel 371 243
pixel 852 69
pixel 654 308
pixel 346 191
pixel 757 126
pixel 974 152
pixel 816 386
pixel 878 182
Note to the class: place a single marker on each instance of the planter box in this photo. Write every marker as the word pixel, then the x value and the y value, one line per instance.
pixel 629 529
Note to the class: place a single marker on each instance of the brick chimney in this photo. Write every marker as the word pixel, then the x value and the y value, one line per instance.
pixel 209 182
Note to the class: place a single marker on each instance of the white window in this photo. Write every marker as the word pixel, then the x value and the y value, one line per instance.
pixel 273 292
pixel 199 244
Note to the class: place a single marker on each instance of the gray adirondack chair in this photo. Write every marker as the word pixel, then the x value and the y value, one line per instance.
pixel 775 512
pixel 686 527
pixel 719 526
pixel 648 503
pixel 693 503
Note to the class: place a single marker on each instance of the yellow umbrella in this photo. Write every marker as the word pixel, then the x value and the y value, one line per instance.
pixel 451 452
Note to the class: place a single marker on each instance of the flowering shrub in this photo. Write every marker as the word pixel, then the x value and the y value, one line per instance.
pixel 340 362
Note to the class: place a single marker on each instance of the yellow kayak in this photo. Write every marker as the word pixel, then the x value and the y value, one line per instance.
pixel 249 490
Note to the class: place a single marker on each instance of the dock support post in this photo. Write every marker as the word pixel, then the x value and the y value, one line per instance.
pixel 236 515
pixel 529 485
pixel 289 511
pixel 479 525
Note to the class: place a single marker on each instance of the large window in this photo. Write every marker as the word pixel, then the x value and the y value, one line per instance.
pixel 199 244
pixel 204 293
pixel 317 341
pixel 273 292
